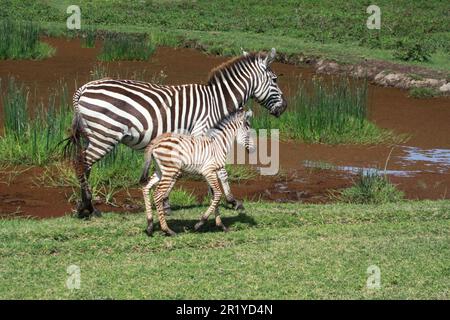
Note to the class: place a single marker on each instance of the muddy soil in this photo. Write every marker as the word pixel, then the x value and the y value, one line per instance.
pixel 308 172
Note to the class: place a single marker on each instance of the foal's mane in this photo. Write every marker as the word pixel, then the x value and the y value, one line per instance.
pixel 250 57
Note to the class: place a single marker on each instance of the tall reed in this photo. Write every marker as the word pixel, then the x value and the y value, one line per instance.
pixel 20 40
pixel 326 112
pixel 126 47
pixel 88 38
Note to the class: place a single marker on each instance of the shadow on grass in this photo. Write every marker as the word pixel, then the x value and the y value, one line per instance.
pixel 183 225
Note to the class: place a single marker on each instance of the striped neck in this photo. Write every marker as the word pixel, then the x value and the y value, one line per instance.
pixel 225 131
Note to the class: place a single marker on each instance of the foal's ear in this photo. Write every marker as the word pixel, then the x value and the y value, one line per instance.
pixel 271 57
pixel 248 114
pixel 244 53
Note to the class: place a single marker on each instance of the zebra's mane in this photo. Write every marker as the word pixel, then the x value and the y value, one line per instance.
pixel 250 57
pixel 222 124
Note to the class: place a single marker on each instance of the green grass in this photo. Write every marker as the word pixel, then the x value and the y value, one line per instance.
pixel 327 112
pixel 126 47
pixel 423 93
pixel 371 188
pixel 20 40
pixel 88 37
pixel 275 251
pixel 327 28
pixel 33 140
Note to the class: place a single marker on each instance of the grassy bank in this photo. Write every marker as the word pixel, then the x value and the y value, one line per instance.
pixel 411 32
pixel 274 251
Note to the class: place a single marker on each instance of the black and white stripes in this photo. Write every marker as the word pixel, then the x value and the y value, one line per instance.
pixel 135 112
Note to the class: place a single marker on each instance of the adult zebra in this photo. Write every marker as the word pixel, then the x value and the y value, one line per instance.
pixel 110 111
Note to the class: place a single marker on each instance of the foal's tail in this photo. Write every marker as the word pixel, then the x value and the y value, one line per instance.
pixel 148 161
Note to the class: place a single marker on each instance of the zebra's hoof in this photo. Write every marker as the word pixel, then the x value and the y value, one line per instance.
pixel 97 213
pixel 83 212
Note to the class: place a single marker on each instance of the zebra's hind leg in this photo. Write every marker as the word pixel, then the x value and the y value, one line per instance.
pixel 213 182
pixel 84 208
pixel 148 205
pixel 223 177
pixel 94 211
pixel 83 164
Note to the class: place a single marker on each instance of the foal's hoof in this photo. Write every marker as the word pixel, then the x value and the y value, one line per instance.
pixel 149 230
pixel 224 229
pixel 170 233
pixel 199 224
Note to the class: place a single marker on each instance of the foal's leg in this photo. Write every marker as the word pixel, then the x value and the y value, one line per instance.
pixel 223 177
pixel 217 193
pixel 162 192
pixel 148 205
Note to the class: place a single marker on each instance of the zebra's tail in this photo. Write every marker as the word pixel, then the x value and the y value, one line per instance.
pixel 73 144
pixel 148 161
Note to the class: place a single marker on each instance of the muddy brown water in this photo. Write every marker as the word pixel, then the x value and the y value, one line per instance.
pixel 420 167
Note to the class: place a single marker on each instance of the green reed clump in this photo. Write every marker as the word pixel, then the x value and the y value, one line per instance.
pixel 326 112
pixel 32 140
pixel 15 108
pixel 20 40
pixel 126 47
pixel 371 188
pixel 88 38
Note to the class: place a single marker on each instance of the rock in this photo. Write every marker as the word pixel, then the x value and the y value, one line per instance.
pixel 445 88
pixel 328 67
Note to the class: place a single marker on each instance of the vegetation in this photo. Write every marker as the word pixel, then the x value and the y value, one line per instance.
pixel 89 37
pixel 331 29
pixel 334 112
pixel 371 188
pixel 126 47
pixel 27 140
pixel 274 251
pixel 423 93
pixel 412 51
pixel 20 40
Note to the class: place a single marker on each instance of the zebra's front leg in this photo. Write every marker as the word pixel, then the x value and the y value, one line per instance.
pixel 148 205
pixel 223 177
pixel 217 193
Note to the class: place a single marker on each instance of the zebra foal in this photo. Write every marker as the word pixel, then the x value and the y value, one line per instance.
pixel 205 154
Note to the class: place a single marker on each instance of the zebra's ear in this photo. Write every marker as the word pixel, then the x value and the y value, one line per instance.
pixel 271 57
